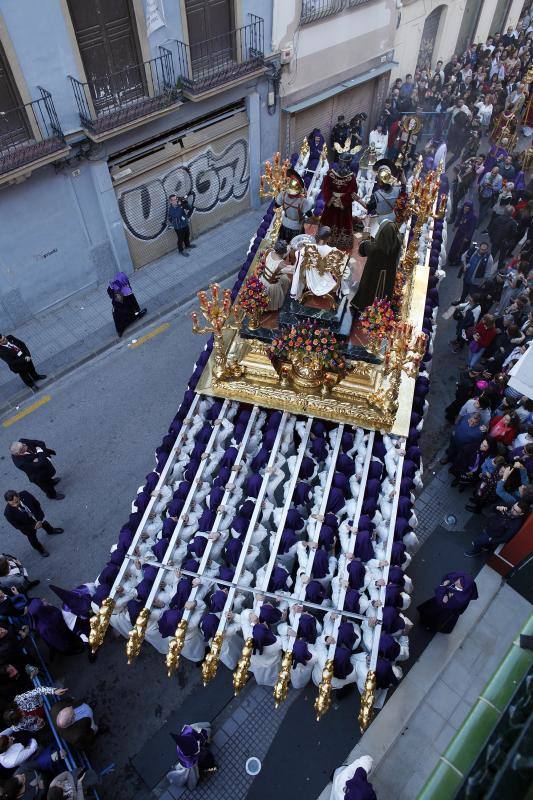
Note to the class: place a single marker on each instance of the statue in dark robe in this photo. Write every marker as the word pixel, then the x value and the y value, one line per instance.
pixel 379 274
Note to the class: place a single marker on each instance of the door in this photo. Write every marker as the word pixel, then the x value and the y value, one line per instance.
pixel 107 39
pixel 210 20
pixel 429 37
pixel 14 127
pixel 469 23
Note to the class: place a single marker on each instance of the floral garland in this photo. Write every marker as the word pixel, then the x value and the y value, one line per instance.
pixel 378 319
pixel 308 339
pixel 253 296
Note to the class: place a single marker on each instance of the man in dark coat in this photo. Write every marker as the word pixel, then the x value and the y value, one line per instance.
pixel 500 528
pixel 23 511
pixel 18 358
pixel 179 214
pixel 503 234
pixel 75 723
pixel 32 456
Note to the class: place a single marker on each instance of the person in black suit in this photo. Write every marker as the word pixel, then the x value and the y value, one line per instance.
pixel 18 358
pixel 32 456
pixel 23 511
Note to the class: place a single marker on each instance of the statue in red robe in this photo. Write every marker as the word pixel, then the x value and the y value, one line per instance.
pixel 339 190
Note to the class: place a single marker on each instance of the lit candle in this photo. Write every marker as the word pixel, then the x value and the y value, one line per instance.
pixel 194 317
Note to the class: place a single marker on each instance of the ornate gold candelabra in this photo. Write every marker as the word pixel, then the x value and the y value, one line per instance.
pixel 281 687
pixel 323 700
pixel 304 149
pixel 210 663
pixel 136 635
pixel 175 647
pixel 273 182
pixel 367 701
pixel 218 314
pixel 100 622
pixel 405 351
pixel 240 676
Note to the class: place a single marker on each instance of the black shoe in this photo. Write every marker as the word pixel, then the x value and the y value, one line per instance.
pixel 56 531
pixel 44 553
pixel 184 253
pixel 34 388
pixel 58 496
pixel 471 553
pixel 55 480
pixel 141 313
pixel 192 245
pixel 32 584
pixel 40 377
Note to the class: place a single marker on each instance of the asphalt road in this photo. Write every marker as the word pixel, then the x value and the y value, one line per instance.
pixel 105 420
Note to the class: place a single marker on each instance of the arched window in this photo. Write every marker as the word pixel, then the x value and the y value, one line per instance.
pixel 429 36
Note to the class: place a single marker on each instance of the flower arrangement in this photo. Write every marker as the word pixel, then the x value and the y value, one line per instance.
pixel 378 319
pixel 253 297
pixel 307 338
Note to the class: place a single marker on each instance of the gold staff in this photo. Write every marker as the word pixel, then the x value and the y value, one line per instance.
pixel 240 676
pixel 175 647
pixel 323 700
pixel 281 687
pixel 367 701
pixel 271 184
pixel 99 623
pixel 210 663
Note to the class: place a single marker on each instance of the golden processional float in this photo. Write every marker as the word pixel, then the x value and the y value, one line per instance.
pixel 368 388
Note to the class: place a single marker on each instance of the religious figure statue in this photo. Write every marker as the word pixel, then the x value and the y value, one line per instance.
pixel 321 270
pixel 385 193
pixel 295 205
pixel 275 275
pixel 339 190
pixel 379 274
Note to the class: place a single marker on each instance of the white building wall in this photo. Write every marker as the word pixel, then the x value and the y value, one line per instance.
pixel 485 21
pixel 409 33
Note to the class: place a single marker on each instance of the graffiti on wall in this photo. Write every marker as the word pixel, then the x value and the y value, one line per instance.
pixel 207 181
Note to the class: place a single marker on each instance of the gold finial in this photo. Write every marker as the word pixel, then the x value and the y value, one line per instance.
pixel 367 701
pixel 175 647
pixel 210 663
pixel 304 149
pixel 136 635
pixel 324 153
pixel 240 676
pixel 219 315
pixel 100 622
pixel 323 700
pixel 281 687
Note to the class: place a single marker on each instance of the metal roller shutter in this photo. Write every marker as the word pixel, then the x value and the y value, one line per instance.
pixel 324 115
pixel 212 165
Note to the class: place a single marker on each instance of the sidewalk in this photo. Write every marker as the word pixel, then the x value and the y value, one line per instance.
pixel 82 327
pixel 431 703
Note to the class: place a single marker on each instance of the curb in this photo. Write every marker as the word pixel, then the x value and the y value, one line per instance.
pixel 11 405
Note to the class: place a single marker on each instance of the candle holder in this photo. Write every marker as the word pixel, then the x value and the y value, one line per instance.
pixel 405 351
pixel 218 314
pixel 273 182
pixel 136 635
pixel 367 701
pixel 240 676
pixel 281 687
pixel 175 647
pixel 99 623
pixel 323 700
pixel 210 663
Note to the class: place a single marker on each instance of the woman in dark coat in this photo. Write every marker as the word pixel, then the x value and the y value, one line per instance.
pixel 452 596
pixel 126 309
pixel 379 274
pixel 467 223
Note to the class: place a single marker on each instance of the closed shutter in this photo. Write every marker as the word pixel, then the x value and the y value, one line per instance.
pixel 324 115
pixel 14 127
pixel 107 38
pixel 212 168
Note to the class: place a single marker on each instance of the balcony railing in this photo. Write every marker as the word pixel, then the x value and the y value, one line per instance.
pixel 29 132
pixel 118 98
pixel 313 10
pixel 221 59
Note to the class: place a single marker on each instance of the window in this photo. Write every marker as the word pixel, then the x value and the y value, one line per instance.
pixel 313 10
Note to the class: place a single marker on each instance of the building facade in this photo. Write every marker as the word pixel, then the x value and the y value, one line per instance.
pixel 108 107
pixel 336 58
pixel 429 30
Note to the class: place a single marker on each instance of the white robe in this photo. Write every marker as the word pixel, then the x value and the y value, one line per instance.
pixel 265 666
pixel 345 773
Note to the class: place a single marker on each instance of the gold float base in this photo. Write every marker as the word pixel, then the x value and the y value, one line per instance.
pixel 362 398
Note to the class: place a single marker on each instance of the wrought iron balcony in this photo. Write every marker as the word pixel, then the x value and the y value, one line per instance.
pixel 29 133
pixel 314 10
pixel 221 59
pixel 119 98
